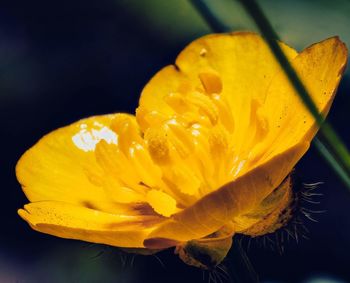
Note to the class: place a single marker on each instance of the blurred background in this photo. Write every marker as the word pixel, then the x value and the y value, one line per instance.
pixel 64 60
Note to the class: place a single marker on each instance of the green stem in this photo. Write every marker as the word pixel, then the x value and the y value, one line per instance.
pixel 332 161
pixel 211 19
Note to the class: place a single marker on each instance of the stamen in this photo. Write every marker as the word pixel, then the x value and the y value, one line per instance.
pixel 177 101
pixel 211 81
pixel 219 147
pixel 114 162
pixel 180 138
pixel 147 119
pixel 121 194
pixel 127 130
pixel 148 172
pixel 186 180
pixel 218 143
pixel 117 170
pixel 205 106
pixel 161 202
pixel 225 114
pixel 191 145
pixel 158 145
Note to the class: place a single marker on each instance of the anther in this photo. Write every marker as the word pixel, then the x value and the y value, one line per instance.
pixel 211 81
pixel 180 138
pixel 158 145
pixel 127 130
pixel 177 102
pixel 205 106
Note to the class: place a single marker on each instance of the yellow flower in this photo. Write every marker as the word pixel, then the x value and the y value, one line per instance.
pixel 208 154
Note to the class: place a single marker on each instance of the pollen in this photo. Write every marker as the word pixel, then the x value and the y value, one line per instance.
pixel 158 145
pixel 180 137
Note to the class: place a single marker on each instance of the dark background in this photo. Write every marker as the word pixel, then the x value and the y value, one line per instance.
pixel 64 60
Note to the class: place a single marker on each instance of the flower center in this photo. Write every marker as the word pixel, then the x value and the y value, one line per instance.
pixel 183 152
pixel 193 145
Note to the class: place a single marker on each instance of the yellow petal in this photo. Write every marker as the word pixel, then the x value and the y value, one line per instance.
pixel 237 197
pixel 62 165
pixel 239 65
pixel 76 222
pixel 228 82
pixel 320 67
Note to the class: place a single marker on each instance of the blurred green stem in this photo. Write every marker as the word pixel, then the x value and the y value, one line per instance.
pixel 331 160
pixel 211 19
pixel 331 147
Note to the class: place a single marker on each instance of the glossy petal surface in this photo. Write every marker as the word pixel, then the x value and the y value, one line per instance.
pixel 214 135
pixel 272 128
pixel 77 222
pixel 58 166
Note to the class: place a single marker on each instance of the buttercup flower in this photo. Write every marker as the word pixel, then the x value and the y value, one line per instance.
pixel 208 154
